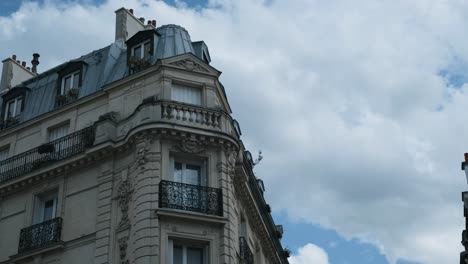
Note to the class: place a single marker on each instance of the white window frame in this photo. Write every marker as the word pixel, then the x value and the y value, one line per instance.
pixel 72 75
pixel 16 111
pixel 40 201
pixel 204 246
pixel 193 101
pixel 142 49
pixel 195 160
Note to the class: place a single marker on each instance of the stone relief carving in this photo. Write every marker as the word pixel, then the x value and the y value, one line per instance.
pixel 142 148
pixel 231 159
pixel 191 145
pixel 189 65
pixel 124 193
pixel 123 244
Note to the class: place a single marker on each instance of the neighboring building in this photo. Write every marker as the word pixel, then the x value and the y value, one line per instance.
pixel 464 241
pixel 128 155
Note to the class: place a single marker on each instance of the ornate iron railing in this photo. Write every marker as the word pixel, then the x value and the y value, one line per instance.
pixel 46 154
pixel 190 197
pixel 9 122
pixel 40 235
pixel 246 254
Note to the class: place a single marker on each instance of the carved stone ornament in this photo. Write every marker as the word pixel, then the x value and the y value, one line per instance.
pixel 123 244
pixel 231 159
pixel 142 147
pixel 124 193
pixel 189 65
pixel 191 145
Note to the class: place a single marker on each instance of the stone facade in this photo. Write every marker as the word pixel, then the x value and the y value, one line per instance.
pixel 116 197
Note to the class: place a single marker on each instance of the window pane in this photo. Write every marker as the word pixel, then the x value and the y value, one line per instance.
pixel 4 154
pixel 194 256
pixel 11 109
pixel 48 210
pixel 192 174
pixel 19 105
pixel 185 94
pixel 67 84
pixel 147 47
pixel 58 132
pixel 76 80
pixel 137 52
pixel 178 255
pixel 177 171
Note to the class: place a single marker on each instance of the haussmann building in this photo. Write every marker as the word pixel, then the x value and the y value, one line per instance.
pixel 128 154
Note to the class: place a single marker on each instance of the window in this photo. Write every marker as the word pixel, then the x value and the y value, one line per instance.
pixel 189 171
pixel 70 81
pixel 187 252
pixel 189 95
pixel 45 207
pixel 13 107
pixel 58 132
pixel 4 151
pixel 142 50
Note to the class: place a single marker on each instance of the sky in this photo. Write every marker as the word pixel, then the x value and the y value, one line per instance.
pixel 357 106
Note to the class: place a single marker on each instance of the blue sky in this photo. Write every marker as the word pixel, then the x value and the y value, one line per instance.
pixel 371 95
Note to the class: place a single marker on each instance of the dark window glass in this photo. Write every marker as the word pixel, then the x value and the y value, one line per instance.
pixel 194 256
pixel 76 80
pixel 66 84
pixel 48 210
pixel 137 52
pixel 178 255
pixel 147 47
pixel 192 174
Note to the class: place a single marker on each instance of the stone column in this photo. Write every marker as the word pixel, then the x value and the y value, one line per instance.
pixel 229 232
pixel 104 205
pixel 145 225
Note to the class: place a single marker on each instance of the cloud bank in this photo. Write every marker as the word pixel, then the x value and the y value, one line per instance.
pixel 309 254
pixel 350 101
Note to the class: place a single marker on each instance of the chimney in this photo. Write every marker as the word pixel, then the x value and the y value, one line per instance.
pixel 153 22
pixel 35 62
pixel 126 25
pixel 142 20
pixel 13 73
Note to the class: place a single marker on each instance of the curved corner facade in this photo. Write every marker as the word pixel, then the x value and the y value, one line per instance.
pixel 130 155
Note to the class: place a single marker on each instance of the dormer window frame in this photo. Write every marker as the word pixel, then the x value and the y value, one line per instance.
pixel 13 96
pixel 16 110
pixel 76 74
pixel 145 50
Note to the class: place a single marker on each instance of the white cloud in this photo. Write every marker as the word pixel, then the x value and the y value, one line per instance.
pixel 344 98
pixel 309 254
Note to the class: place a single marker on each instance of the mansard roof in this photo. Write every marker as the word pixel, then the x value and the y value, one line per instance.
pixel 106 65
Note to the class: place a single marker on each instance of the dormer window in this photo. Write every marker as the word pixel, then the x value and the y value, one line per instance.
pixel 142 50
pixel 69 82
pixel 13 108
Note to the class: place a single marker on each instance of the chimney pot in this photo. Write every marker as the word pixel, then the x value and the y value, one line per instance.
pixel 142 20
pixel 153 22
pixel 28 68
pixel 17 61
pixel 35 62
pixel 466 157
pixel 149 22
pixel 23 63
pixel 13 57
pixel 131 11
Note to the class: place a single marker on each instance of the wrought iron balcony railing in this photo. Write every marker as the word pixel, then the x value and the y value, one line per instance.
pixel 46 154
pixel 40 235
pixel 190 197
pixel 246 254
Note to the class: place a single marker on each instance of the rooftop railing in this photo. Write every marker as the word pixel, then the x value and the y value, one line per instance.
pixel 60 149
pixel 190 197
pixel 40 235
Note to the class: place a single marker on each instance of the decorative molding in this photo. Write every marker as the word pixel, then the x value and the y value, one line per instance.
pixel 123 244
pixel 189 64
pixel 191 145
pixel 124 193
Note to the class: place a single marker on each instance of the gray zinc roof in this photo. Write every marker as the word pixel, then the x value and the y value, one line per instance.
pixel 102 67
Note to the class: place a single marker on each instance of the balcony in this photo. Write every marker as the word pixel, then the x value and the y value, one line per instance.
pixel 40 236
pixel 246 255
pixel 9 122
pixel 70 96
pixel 188 197
pixel 60 149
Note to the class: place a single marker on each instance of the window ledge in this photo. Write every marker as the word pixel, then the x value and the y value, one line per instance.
pixel 19 257
pixel 175 213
